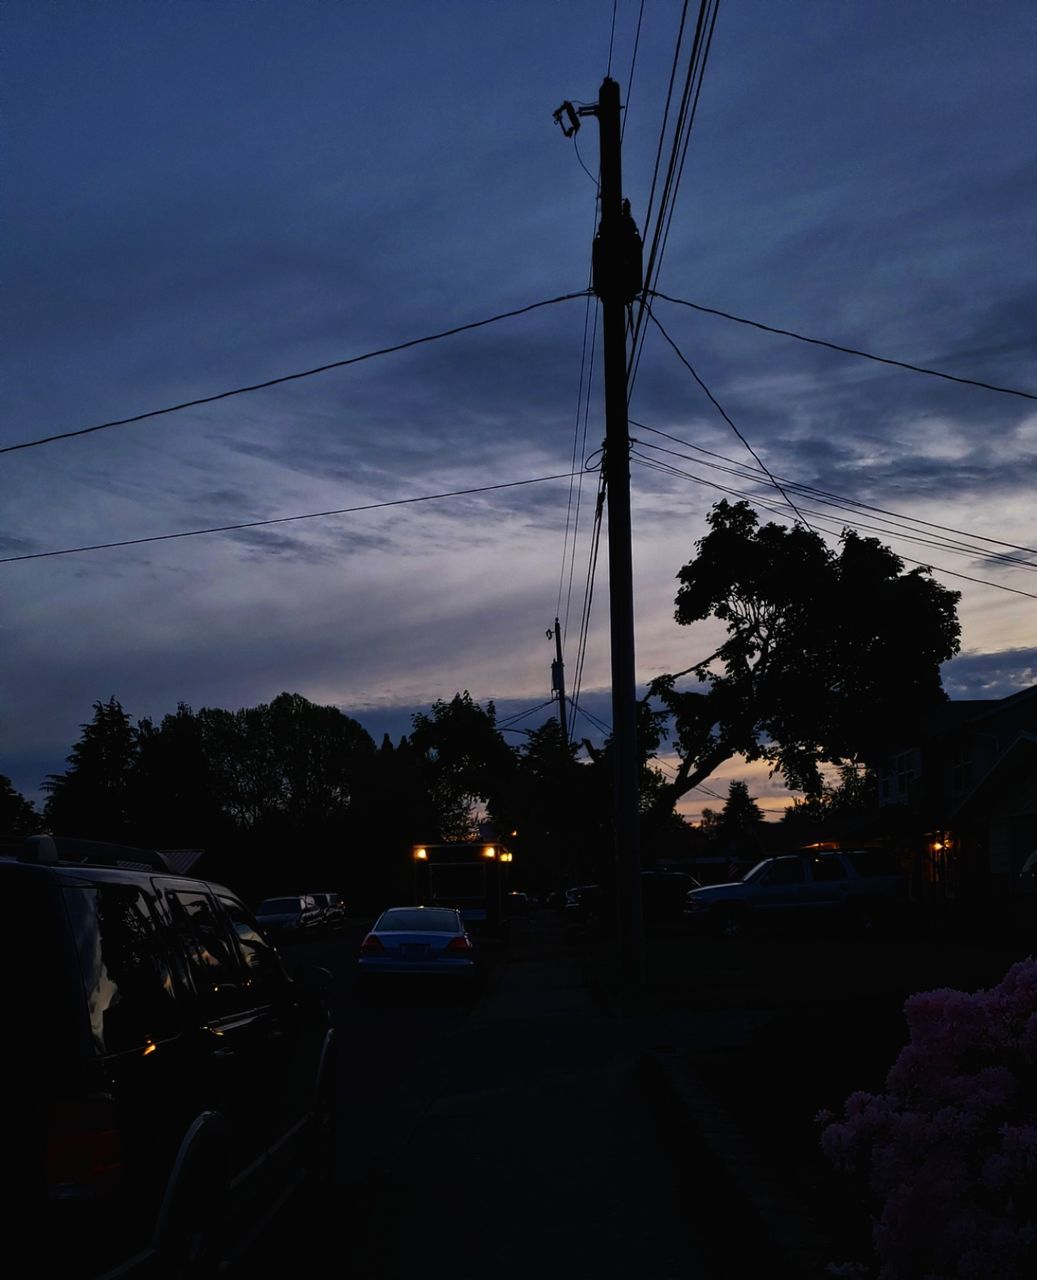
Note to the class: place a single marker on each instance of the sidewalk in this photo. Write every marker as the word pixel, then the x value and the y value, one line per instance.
pixel 540 1156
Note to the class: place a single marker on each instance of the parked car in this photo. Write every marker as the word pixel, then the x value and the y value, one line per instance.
pixel 861 886
pixel 663 895
pixel 519 906
pixel 332 909
pixel 425 942
pixel 583 907
pixel 290 917
pixel 167 1079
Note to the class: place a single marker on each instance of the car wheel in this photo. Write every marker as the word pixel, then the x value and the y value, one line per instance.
pixel 731 924
pixel 192 1249
pixel 320 1155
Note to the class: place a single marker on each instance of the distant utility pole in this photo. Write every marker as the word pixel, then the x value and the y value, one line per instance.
pixel 617 280
pixel 558 685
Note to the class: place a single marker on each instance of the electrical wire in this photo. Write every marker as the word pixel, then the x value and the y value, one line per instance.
pixel 588 596
pixel 675 167
pixel 612 35
pixel 770 505
pixel 630 78
pixel 292 377
pixel 887 530
pixel 812 491
pixel 849 351
pixel 521 715
pixel 257 524
pixel 717 405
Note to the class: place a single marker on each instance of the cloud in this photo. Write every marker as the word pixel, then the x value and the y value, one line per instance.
pixel 990 675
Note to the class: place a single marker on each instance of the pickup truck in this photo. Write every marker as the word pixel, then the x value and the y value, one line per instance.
pixel 863 886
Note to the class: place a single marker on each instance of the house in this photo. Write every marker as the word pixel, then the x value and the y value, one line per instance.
pixel 968 791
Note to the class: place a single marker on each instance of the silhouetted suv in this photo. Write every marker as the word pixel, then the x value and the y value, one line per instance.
pixel 858 887
pixel 170 1080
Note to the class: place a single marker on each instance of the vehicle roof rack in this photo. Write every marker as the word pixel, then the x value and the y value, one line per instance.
pixel 65 850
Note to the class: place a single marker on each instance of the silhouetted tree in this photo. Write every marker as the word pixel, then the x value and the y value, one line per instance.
pixel 828 654
pixel 175 798
pixel 854 795
pixel 18 816
pixel 93 797
pixel 466 762
pixel 741 822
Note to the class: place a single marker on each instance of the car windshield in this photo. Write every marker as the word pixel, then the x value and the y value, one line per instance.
pixel 417 920
pixel 277 906
pixel 757 871
pixel 321 899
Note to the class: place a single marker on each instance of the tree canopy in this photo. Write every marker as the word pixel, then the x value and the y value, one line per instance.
pixel 829 654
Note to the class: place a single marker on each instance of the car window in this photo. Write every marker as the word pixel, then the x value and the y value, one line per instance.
pixel 264 972
pixel 129 988
pixel 277 906
pixel 825 869
pixel 210 957
pixel 418 921
pixel 786 871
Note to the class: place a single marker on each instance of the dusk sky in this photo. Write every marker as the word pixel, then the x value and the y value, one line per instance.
pixel 201 194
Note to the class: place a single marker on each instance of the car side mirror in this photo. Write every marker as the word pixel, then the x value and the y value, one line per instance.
pixel 314 980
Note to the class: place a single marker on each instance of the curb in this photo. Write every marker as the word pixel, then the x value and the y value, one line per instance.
pixel 772 1223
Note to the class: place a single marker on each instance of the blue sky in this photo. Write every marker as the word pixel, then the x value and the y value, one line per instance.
pixel 200 195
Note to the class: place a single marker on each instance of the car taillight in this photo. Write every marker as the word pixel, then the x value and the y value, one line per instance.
pixel 372 943
pixel 459 944
pixel 84 1150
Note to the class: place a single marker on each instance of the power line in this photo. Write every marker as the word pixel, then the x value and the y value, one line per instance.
pixel 257 524
pixel 292 377
pixel 887 530
pixel 763 466
pixel 521 715
pixel 679 147
pixel 612 35
pixel 897 526
pixel 770 505
pixel 630 78
pixel 813 491
pixel 849 351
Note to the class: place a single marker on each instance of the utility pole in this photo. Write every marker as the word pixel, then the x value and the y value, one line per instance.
pixel 558 684
pixel 617 280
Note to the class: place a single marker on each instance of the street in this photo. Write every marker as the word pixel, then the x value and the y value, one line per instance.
pixel 504 1138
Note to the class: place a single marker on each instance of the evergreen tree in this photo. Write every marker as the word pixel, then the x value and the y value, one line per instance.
pixel 93 797
pixel 18 816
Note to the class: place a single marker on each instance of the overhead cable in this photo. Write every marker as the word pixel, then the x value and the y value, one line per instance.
pixel 720 409
pixel 292 377
pixel 849 351
pixel 771 505
pixel 258 524
pixel 814 492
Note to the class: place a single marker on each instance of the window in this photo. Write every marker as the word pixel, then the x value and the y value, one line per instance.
pixel 786 871
pixel 426 920
pixel 129 989
pixel 961 768
pixel 210 957
pixel 264 973
pixel 827 869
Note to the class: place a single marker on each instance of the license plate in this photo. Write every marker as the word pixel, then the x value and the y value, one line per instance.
pixel 413 950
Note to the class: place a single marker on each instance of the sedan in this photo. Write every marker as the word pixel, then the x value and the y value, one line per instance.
pixel 430 941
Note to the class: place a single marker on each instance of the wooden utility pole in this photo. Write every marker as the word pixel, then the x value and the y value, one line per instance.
pixel 558 685
pixel 617 281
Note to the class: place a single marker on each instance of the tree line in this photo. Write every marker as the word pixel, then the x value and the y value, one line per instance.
pixel 825 657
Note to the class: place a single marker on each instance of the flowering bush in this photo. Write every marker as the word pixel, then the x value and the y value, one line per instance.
pixel 949 1151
